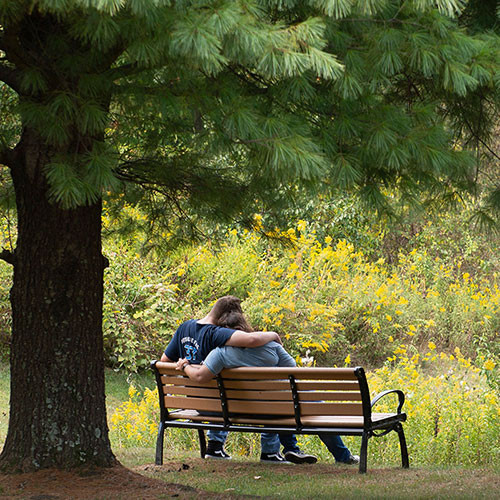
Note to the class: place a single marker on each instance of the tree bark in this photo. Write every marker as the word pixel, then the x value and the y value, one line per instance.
pixel 57 402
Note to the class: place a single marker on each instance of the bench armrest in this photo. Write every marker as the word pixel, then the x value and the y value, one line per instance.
pixel 400 394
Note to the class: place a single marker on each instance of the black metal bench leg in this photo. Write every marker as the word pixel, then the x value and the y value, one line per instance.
pixel 364 453
pixel 159 445
pixel 203 443
pixel 402 444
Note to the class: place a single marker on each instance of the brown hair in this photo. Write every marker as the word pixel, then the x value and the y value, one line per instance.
pixel 226 304
pixel 227 312
pixel 236 320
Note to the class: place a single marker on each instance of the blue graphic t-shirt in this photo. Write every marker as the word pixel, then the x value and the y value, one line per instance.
pixel 194 341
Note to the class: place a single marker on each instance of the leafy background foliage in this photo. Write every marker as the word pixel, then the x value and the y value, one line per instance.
pixel 346 283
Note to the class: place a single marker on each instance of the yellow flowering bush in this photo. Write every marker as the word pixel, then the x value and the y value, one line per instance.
pixel 453 413
pixel 326 298
pixel 135 423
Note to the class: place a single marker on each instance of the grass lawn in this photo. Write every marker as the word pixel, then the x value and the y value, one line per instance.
pixel 322 480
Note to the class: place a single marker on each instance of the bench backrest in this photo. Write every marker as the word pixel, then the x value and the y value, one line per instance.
pixel 262 392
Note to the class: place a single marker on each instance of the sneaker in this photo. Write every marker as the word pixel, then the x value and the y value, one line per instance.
pixel 215 449
pixel 273 458
pixel 352 460
pixel 299 457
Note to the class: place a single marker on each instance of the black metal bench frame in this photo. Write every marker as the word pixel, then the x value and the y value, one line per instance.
pixel 369 429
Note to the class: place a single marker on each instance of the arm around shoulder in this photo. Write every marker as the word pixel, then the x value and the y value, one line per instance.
pixel 253 339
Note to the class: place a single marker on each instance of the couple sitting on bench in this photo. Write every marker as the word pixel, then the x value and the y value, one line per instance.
pixel 224 339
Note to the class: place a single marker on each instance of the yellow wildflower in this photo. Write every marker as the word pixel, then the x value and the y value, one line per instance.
pixel 489 364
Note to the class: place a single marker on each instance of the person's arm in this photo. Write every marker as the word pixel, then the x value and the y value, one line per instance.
pixel 253 339
pixel 198 373
pixel 171 353
pixel 284 357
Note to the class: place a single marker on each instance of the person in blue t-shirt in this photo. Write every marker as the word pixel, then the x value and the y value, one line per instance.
pixel 195 339
pixel 270 354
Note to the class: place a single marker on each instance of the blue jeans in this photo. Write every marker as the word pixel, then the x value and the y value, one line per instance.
pixel 334 444
pixel 270 443
pixel 336 447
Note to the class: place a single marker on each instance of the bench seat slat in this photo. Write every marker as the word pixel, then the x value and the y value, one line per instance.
pixel 321 385
pixel 178 379
pixel 329 396
pixel 321 408
pixel 302 385
pixel 313 421
pixel 284 385
pixel 260 407
pixel 287 396
pixel 259 373
pixel 286 408
pixel 199 392
pixel 264 385
pixel 297 371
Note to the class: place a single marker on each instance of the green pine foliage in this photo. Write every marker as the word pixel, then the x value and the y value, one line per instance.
pixel 252 97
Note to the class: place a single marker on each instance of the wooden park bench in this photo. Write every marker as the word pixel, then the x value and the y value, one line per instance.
pixel 296 400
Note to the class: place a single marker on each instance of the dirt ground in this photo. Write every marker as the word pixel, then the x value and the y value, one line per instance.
pixel 113 484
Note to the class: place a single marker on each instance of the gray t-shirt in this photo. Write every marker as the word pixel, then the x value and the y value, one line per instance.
pixel 270 354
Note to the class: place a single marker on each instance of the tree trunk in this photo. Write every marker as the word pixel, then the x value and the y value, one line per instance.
pixel 57 402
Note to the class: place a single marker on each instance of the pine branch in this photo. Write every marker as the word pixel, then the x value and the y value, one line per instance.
pixel 253 78
pixel 8 256
pixel 478 138
pixel 6 156
pixel 10 77
pixel 9 43
pixel 125 70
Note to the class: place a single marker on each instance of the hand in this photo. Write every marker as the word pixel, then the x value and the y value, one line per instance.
pixel 180 364
pixel 278 339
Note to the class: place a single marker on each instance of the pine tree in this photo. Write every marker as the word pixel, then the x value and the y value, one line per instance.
pixel 199 107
